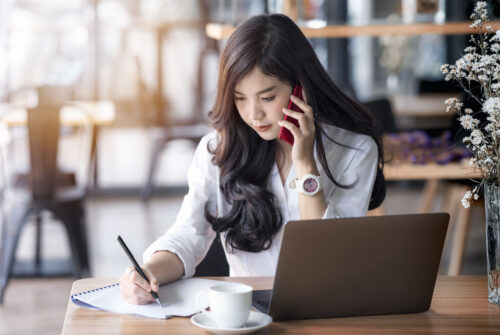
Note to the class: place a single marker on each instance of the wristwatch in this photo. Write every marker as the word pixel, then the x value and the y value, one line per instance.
pixel 308 185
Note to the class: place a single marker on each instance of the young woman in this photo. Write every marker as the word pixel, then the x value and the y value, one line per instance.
pixel 244 182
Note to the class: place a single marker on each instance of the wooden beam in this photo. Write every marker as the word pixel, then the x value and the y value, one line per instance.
pixel 222 31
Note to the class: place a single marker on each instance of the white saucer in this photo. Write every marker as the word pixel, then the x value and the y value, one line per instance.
pixel 256 321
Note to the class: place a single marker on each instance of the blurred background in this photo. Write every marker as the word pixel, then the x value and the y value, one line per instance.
pixel 102 103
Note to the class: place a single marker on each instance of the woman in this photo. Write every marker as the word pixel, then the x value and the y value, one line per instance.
pixel 244 182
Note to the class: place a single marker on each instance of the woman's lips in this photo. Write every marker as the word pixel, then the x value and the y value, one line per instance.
pixel 262 128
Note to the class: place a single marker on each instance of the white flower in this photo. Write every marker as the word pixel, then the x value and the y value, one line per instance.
pixel 482 78
pixel 476 140
pixel 468 57
pixel 453 104
pixel 476 67
pixel 480 64
pixel 476 137
pixel 483 149
pixel 487 60
pixel 465 203
pixel 495 37
pixel 476 132
pixel 488 161
pixel 479 6
pixel 468 122
pixel 491 105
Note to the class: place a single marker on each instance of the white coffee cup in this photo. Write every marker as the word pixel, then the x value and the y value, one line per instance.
pixel 229 304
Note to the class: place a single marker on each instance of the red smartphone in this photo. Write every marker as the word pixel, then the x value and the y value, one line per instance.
pixel 285 134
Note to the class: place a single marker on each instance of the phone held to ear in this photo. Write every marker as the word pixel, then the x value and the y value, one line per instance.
pixel 285 134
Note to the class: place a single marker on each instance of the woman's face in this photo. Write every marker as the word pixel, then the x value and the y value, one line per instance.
pixel 259 99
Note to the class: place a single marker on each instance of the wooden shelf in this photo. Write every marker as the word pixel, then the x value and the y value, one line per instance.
pixel 430 105
pixel 166 25
pixel 221 31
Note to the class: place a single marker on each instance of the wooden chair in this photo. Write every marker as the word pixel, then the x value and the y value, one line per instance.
pixel 46 189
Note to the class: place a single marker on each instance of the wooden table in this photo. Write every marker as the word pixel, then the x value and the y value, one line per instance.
pixel 431 171
pixel 422 111
pixel 459 306
pixel 435 176
pixel 430 105
pixel 101 113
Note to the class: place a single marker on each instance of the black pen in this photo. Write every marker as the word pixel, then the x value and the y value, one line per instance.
pixel 137 267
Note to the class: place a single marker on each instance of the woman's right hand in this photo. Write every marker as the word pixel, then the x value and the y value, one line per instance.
pixel 135 289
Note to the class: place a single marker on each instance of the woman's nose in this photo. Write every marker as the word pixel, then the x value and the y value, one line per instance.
pixel 256 112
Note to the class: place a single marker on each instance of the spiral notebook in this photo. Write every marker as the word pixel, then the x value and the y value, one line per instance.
pixel 179 299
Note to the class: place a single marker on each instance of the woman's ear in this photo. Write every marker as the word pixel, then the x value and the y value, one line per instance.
pixel 304 95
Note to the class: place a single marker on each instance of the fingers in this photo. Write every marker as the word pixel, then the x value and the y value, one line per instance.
pixel 137 279
pixel 308 111
pixel 134 288
pixel 297 134
pixel 153 281
pixel 300 117
pixel 306 124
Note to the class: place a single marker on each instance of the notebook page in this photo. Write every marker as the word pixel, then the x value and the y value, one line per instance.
pixel 179 299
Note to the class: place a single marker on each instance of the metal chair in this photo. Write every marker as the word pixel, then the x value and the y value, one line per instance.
pixel 36 177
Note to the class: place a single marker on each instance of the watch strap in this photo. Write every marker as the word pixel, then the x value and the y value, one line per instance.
pixel 299 183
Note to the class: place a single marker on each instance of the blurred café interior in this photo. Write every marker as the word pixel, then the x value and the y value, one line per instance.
pixel 102 103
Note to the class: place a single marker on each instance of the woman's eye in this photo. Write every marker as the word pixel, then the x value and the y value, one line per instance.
pixel 239 98
pixel 269 98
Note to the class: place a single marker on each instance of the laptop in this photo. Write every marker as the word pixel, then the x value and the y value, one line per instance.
pixel 355 266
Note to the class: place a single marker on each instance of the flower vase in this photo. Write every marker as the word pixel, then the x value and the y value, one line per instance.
pixel 492 208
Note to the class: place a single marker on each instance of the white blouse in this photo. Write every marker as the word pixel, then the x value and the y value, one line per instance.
pixel 191 235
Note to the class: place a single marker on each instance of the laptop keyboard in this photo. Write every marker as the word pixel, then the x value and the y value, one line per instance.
pixel 264 304
pixel 261 299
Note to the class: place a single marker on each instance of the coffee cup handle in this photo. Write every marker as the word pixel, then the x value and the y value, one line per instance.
pixel 198 303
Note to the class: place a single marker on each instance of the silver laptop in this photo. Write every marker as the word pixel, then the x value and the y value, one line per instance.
pixel 356 266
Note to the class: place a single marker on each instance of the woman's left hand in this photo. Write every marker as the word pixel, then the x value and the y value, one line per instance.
pixel 303 136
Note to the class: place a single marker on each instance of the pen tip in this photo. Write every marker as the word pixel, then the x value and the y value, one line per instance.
pixel 159 302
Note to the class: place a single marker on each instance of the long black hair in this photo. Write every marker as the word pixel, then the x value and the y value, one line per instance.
pixel 279 49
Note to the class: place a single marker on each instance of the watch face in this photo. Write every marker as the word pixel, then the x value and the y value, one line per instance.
pixel 310 185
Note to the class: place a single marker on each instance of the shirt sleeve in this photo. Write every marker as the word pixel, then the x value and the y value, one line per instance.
pixel 361 172
pixel 191 235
